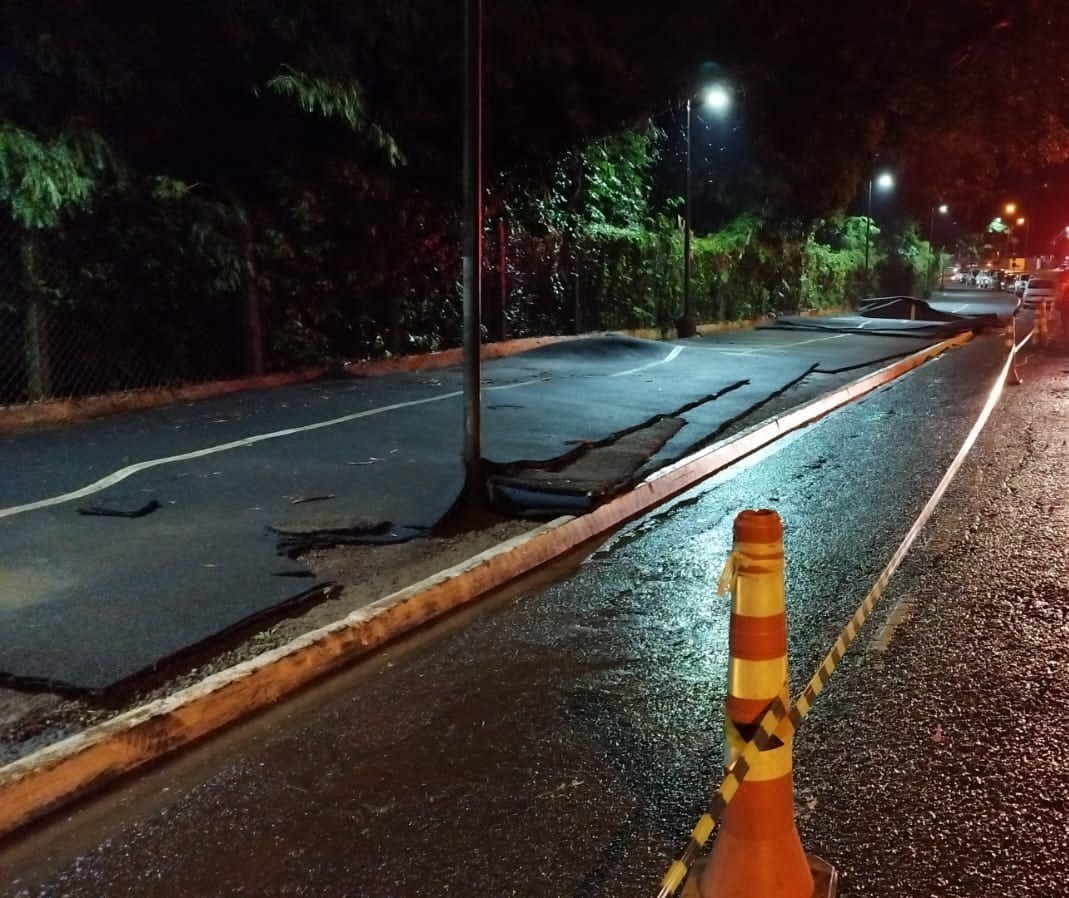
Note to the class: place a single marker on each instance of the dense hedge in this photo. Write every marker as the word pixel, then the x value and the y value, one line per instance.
pixel 141 294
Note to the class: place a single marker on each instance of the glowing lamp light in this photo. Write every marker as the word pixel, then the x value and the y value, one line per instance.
pixel 716 98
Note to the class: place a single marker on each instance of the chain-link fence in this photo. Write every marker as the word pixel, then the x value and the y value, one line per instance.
pixel 131 299
pixel 138 297
pixel 77 319
pixel 142 295
pixel 13 379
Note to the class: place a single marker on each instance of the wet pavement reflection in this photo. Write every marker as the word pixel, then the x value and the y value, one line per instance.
pixel 558 741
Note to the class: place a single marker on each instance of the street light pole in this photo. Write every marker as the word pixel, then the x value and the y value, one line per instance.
pixel 884 181
pixel 931 251
pixel 716 97
pixel 1027 222
pixel 1011 211
pixel 868 229
pixel 942 208
pixel 688 324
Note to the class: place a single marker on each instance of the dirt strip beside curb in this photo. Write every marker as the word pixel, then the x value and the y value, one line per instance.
pixel 44 781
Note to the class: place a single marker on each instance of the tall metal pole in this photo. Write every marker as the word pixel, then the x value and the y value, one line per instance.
pixel 502 275
pixel 690 324
pixel 868 229
pixel 931 247
pixel 472 252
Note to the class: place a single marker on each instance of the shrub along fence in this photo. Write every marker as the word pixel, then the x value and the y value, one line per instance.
pixel 132 299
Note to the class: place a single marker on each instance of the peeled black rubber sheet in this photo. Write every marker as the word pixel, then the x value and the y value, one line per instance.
pixel 155 531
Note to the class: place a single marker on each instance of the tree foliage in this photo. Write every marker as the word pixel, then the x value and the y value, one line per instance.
pixel 41 179
pixel 301 161
pixel 335 101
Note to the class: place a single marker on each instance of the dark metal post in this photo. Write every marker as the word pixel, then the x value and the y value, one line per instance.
pixel 473 245
pixel 688 300
pixel 687 326
pixel 868 230
pixel 578 303
pixel 931 250
pixel 503 275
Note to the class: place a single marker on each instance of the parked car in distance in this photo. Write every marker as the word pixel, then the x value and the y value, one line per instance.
pixel 1038 290
pixel 1019 283
pixel 984 280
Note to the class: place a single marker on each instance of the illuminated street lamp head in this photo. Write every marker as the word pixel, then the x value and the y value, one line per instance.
pixel 1020 220
pixel 944 209
pixel 1011 208
pixel 716 98
pixel 885 180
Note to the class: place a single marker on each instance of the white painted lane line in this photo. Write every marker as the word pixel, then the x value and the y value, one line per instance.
pixel 768 350
pixel 675 351
pixel 124 473
pixel 817 340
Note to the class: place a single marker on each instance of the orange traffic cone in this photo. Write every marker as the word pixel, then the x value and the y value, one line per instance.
pixel 758 852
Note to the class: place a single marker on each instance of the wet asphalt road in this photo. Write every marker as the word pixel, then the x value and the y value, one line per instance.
pixel 558 741
pixel 234 482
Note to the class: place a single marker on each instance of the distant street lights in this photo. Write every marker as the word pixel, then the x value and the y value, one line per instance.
pixel 1011 210
pixel 942 209
pixel 1026 224
pixel 716 98
pixel 998 226
pixel 884 181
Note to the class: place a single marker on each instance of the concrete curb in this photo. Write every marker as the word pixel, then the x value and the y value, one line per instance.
pixel 52 777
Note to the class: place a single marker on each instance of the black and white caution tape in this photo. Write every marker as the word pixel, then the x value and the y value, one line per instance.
pixel 783 717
